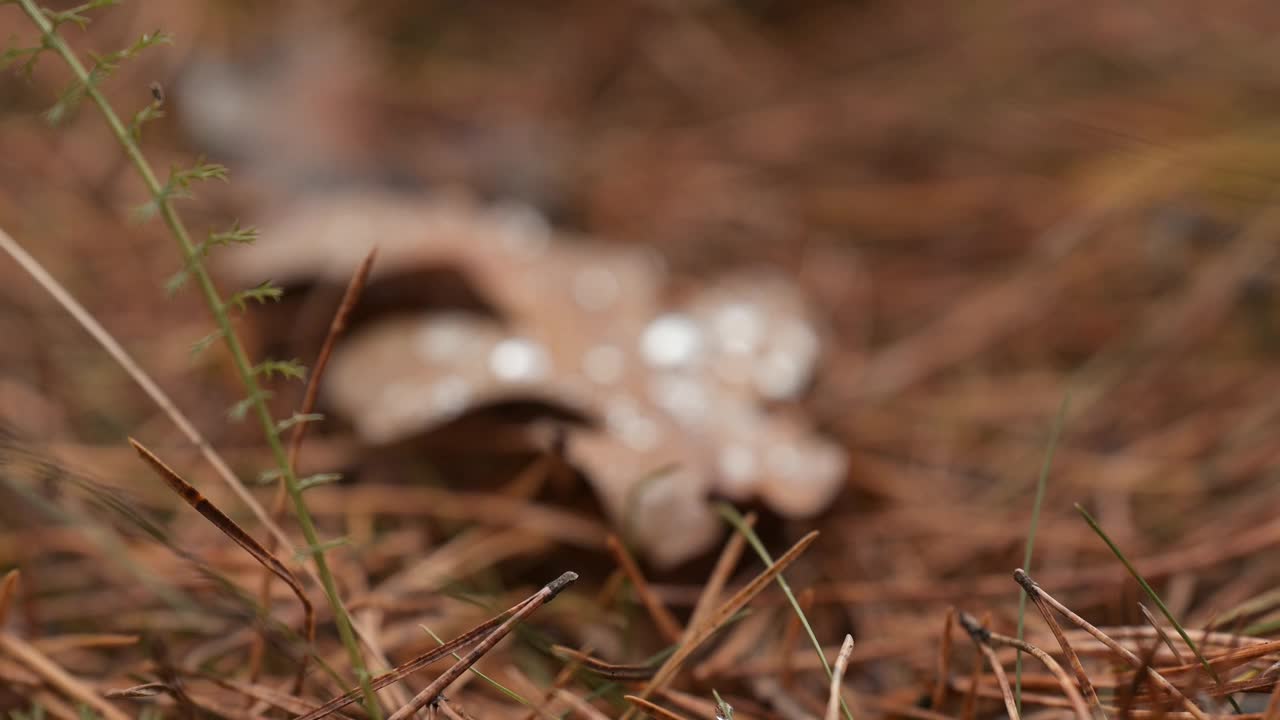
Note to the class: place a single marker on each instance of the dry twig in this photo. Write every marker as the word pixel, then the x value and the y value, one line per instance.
pixel 229 528
pixel 1082 677
pixel 662 617
pixel 1133 660
pixel 1164 637
pixel 971 625
pixel 652 708
pixel 837 678
pixel 55 676
pixel 943 664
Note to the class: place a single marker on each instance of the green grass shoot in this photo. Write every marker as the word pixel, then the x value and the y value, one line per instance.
pixel 1054 436
pixel 1156 599
pixel 724 711
pixel 734 518
pixel 499 686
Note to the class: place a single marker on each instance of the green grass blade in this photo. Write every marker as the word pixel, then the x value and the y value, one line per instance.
pixel 1156 599
pixel 734 518
pixel 499 686
pixel 1255 606
pixel 1266 626
pixel 724 711
pixel 1054 435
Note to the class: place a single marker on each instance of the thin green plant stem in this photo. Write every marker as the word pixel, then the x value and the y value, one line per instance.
pixel 1054 435
pixel 1146 587
pixel 724 711
pixel 1255 606
pixel 1262 627
pixel 217 307
pixel 499 686
pixel 734 518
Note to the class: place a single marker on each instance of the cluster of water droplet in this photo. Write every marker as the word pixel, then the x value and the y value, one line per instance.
pixel 585 325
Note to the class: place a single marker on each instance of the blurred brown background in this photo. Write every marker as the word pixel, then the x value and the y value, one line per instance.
pixel 988 205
